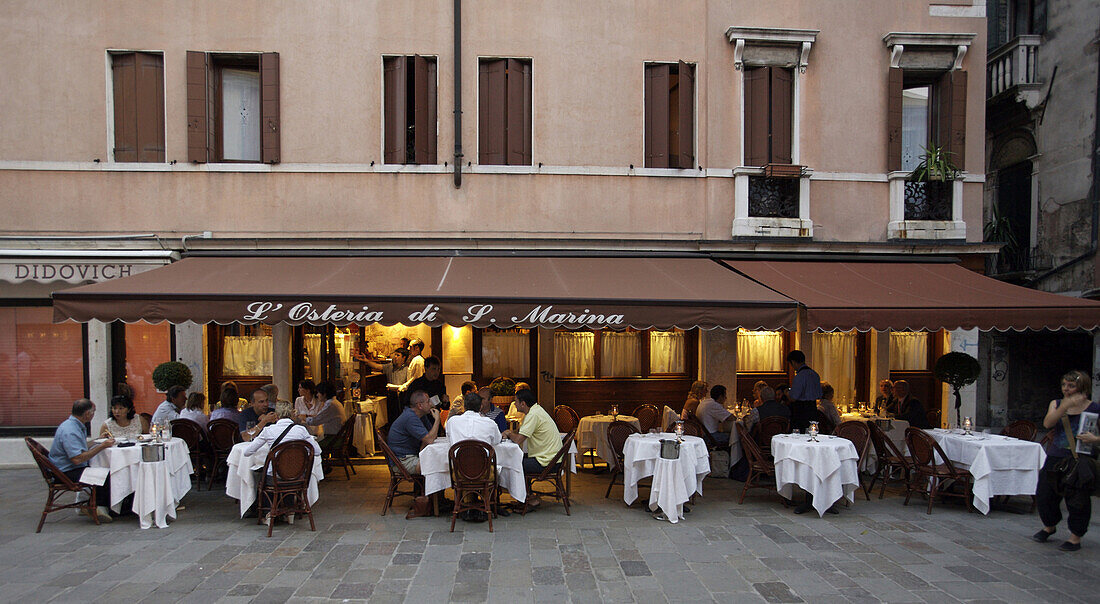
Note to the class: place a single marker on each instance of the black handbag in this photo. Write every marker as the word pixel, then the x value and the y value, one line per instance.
pixel 1075 473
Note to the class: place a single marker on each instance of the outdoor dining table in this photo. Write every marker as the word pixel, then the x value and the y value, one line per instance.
pixel 241 482
pixel 436 468
pixel 674 480
pixel 362 434
pixel 157 486
pixel 592 434
pixel 826 468
pixel 1000 465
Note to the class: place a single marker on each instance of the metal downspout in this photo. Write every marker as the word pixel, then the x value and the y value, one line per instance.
pixel 458 92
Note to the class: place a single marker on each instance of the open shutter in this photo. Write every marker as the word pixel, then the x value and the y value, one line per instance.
pixel 198 107
pixel 433 119
pixel 656 115
pixel 782 96
pixel 150 107
pixel 518 143
pixel 269 107
pixel 757 119
pixel 423 110
pixel 124 80
pixel 686 103
pixel 895 90
pixel 491 112
pixel 394 76
pixel 956 123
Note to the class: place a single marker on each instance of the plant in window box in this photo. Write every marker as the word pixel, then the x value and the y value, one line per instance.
pixel 171 373
pixel 928 188
pixel 503 390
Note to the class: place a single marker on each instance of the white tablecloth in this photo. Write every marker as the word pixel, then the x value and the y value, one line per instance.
pixel 825 469
pixel 241 482
pixel 376 405
pixel 674 481
pixel 1000 465
pixel 437 470
pixel 362 435
pixel 668 415
pixel 592 434
pixel 157 487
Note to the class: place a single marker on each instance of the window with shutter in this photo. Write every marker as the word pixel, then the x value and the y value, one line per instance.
pixel 769 93
pixel 233 107
pixel 409 109
pixel 504 112
pixel 138 99
pixel 669 115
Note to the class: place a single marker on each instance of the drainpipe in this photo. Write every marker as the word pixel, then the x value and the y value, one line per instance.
pixel 458 92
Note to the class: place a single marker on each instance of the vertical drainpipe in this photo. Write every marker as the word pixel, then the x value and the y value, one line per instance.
pixel 458 92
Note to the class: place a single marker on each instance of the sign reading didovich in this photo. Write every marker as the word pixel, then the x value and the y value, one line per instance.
pixel 480 314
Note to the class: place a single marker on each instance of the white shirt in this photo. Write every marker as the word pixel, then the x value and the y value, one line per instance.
pixel 415 370
pixel 711 414
pixel 165 412
pixel 195 415
pixel 472 425
pixel 272 432
pixel 301 407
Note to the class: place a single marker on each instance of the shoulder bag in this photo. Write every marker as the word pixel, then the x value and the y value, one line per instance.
pixel 1075 473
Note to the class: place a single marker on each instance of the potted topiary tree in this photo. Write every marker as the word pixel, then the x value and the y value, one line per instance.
pixel 171 373
pixel 957 369
pixel 503 390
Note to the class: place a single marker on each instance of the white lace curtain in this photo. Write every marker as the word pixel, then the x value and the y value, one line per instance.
pixel 246 355
pixel 909 351
pixel 506 353
pixel 834 359
pixel 313 354
pixel 759 351
pixel 621 354
pixel 666 352
pixel 575 354
pixel 241 115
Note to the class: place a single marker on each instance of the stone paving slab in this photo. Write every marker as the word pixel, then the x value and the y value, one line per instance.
pixel 873 551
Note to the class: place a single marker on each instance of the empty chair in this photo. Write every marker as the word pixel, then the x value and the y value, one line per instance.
pixel 474 478
pixel 197 446
pixel 554 473
pixel 284 485
pixel 222 434
pixel 566 418
pixel 617 433
pixel 58 484
pixel 336 450
pixel 925 450
pixel 649 417
pixel 1021 429
pixel 759 465
pixel 857 432
pixel 889 460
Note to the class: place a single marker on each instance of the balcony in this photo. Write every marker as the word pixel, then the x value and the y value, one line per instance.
pixel 1013 71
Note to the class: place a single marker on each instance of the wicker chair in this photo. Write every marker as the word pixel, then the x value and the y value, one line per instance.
pixel 284 485
pixel 398 473
pixel 566 418
pixel 556 473
pixel 223 434
pixel 198 447
pixel 859 434
pixel 58 484
pixel 336 451
pixel 617 433
pixel 473 466
pixel 148 418
pixel 649 416
pixel 888 459
pixel 924 449
pixel 759 464
pixel 769 427
pixel 1021 429
pixel 693 426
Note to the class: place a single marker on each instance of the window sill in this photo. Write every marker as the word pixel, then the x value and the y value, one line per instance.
pixel 753 226
pixel 926 229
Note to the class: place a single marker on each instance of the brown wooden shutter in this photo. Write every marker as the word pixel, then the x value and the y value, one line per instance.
pixel 757 119
pixel 424 110
pixel 394 75
pixel 150 107
pixel 269 107
pixel 956 123
pixel 124 80
pixel 656 115
pixel 895 92
pixel 782 96
pixel 198 108
pixel 491 112
pixel 687 115
pixel 518 141
pixel 433 119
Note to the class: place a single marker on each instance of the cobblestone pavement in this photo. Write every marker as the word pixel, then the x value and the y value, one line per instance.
pixel 759 551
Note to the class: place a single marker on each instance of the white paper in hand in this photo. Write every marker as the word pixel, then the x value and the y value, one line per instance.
pixel 435 401
pixel 96 476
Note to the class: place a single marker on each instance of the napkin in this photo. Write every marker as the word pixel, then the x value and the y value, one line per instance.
pixel 96 476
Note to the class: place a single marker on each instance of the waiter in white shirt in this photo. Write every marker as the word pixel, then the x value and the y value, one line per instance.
pixel 472 425
pixel 416 364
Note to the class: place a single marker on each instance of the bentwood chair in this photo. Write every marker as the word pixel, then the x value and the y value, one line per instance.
pixel 889 460
pixel 58 484
pixel 566 418
pixel 769 427
pixel 336 451
pixel 649 417
pixel 197 447
pixel 857 432
pixel 759 464
pixel 223 434
pixel 617 433
pixel 398 473
pixel 925 451
pixel 1021 429
pixel 473 465
pixel 554 473
pixel 284 484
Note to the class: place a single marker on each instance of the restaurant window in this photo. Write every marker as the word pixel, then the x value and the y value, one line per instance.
pixel 504 112
pixel 834 358
pixel 575 353
pixel 42 370
pixel 137 84
pixel 409 109
pixel 667 352
pixel 457 349
pixel 146 346
pixel 620 354
pixel 760 351
pixel 909 350
pixel 249 353
pixel 233 107
pixel 669 115
pixel 506 353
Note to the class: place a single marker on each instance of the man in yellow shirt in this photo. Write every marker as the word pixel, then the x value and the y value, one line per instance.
pixel 539 432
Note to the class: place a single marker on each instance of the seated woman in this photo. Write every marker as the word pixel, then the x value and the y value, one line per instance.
pixel 227 405
pixel 124 423
pixel 826 405
pixel 885 402
pixel 756 389
pixel 308 403
pixel 696 394
pixel 194 409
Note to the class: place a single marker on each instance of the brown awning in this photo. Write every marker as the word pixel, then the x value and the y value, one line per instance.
pixel 458 290
pixel 915 296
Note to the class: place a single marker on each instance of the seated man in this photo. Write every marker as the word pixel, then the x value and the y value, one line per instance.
pixel 472 424
pixel 540 434
pixel 283 430
pixel 70 452
pixel 169 409
pixel 768 407
pixel 712 412
pixel 408 434
pixel 256 414
pixel 490 410
pixel 910 409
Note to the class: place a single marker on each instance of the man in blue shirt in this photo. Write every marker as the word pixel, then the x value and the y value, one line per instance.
pixel 70 452
pixel 257 414
pixel 408 435
pixel 805 390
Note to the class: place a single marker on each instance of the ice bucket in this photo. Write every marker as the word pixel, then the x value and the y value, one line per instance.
pixel 885 423
pixel 670 449
pixel 152 452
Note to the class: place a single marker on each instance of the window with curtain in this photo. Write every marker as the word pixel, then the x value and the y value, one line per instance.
pixel 666 352
pixel 909 350
pixel 621 354
pixel 240 114
pixel 247 355
pixel 834 359
pixel 759 351
pixel 41 367
pixel 507 353
pixel 575 354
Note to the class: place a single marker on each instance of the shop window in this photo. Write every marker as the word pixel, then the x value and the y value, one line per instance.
pixel 506 353
pixel 620 354
pixel 909 350
pixel 138 106
pixel 42 368
pixel 233 107
pixel 409 109
pixel 146 346
pixel 248 355
pixel 834 359
pixel 669 115
pixel 504 112
pixel 667 352
pixel 575 354
pixel 760 351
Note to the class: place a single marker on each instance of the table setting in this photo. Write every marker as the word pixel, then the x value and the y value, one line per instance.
pixel 1000 465
pixel 436 469
pixel 241 481
pixel 822 465
pixel 675 480
pixel 158 478
pixel 592 434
